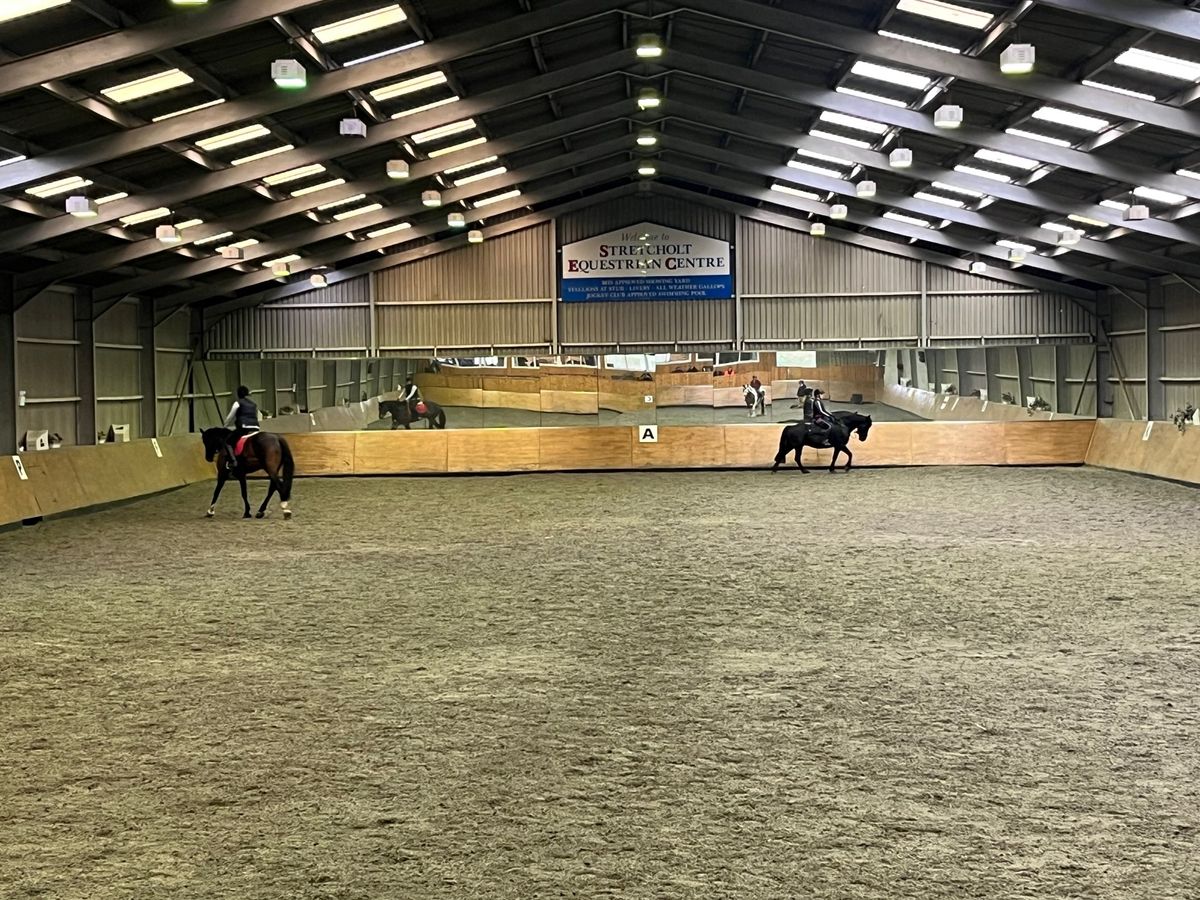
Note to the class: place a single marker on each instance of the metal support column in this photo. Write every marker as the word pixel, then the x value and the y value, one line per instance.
pixel 1062 371
pixel 1156 389
pixel 1024 369
pixel 147 370
pixel 738 316
pixel 1105 393
pixel 372 312
pixel 8 366
pixel 85 368
pixel 923 314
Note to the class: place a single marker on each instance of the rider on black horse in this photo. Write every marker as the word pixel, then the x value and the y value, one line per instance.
pixel 243 418
pixel 821 419
pixel 410 396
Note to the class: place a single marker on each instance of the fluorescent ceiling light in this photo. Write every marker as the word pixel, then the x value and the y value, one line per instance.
pixel 1007 159
pixel 911 220
pixel 425 106
pixel 229 138
pixel 351 213
pixel 382 53
pixel 854 122
pixel 190 223
pixel 119 195
pixel 852 92
pixel 1158 196
pixel 145 87
pixel 14 9
pixel 294 174
pixel 982 173
pixel 1070 119
pixel 352 27
pixel 1159 64
pixel 1118 90
pixel 1187 173
pixel 282 261
pixel 946 12
pixel 454 148
pixel 840 138
pixel 889 75
pixel 1084 220
pixel 54 188
pixel 343 202
pixel 257 156
pixel 820 170
pixel 313 188
pixel 895 35
pixel 188 109
pixel 1057 226
pixel 837 160
pixel 480 176
pixel 391 229
pixel 794 192
pixel 409 85
pixel 212 239
pixel 1115 204
pixel 470 165
pixel 1016 245
pixel 445 131
pixel 953 189
pixel 11 160
pixel 938 198
pixel 148 216
pixel 496 198
pixel 1034 136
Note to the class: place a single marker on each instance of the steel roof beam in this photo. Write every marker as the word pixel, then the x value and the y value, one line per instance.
pixel 319 152
pixel 105 260
pixel 1148 14
pixel 445 245
pixel 273 100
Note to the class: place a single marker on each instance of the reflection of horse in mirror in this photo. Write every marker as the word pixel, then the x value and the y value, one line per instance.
pixel 402 417
pixel 756 400
pixel 262 450
pixel 797 437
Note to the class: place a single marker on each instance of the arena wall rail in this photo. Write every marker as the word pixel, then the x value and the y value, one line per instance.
pixel 1157 448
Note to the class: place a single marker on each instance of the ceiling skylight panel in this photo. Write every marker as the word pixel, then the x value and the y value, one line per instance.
pixel 480 176
pixel 938 198
pixel 888 75
pixel 1034 136
pixel 445 131
pixel 146 87
pixel 188 109
pixel 148 216
pixel 356 25
pixel 813 167
pixel 15 9
pixel 982 173
pixel 895 35
pixel 342 202
pixel 1084 220
pixel 1167 197
pixel 313 188
pixel 833 136
pixel 1016 245
pixel 391 229
pixel 479 162
pixel 1159 64
pixel 854 92
pixel 283 260
pixel 1069 119
pixel 229 138
pixel 54 188
pixel 1006 159
pixel 496 198
pixel 1115 204
pixel 911 220
pixel 454 148
pixel 382 53
pixel 410 85
pixel 852 122
pixel 351 213
pixel 424 106
pixel 111 198
pixel 212 239
pixel 946 12
pixel 1118 90
pixel 266 153
pixel 294 174
pixel 794 191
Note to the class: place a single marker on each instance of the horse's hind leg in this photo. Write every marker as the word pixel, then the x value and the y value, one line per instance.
pixel 833 462
pixel 262 510
pixel 212 510
pixel 245 498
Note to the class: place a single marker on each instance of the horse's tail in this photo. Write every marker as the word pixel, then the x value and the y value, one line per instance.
pixel 439 421
pixel 289 471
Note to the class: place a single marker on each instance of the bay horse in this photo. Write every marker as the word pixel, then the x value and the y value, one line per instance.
pixel 263 451
pixel 402 417
pixel 797 437
pixel 756 400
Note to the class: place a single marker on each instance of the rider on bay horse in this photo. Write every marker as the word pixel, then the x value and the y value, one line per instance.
pixel 410 397
pixel 243 418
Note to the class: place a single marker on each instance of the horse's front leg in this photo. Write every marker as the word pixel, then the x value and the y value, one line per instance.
pixel 849 458
pixel 800 459
pixel 245 497
pixel 833 462
pixel 221 477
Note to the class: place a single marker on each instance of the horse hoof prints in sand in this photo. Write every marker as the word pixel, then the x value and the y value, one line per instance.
pixel 261 451
pixel 797 437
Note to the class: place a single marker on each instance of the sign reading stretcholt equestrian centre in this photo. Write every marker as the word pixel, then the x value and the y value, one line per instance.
pixel 647 262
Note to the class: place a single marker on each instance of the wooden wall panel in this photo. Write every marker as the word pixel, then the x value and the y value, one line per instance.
pixel 493 450
pixel 324 454
pixel 586 448
pixel 17 498
pixel 1047 443
pixel 1165 452
pixel 388 452
pixel 682 447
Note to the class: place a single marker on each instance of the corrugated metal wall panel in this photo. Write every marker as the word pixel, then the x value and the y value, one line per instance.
pixel 1181 350
pixel 953 318
pixel 277 328
pixel 1126 315
pixel 657 325
pixel 941 278
pixel 352 290
pixel 517 266
pixel 118 325
pixel 49 315
pixel 873 321
pixel 777 260
pixel 173 332
pixel 673 212
pixel 482 325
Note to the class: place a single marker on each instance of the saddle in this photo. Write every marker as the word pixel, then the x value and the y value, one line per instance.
pixel 421 408
pixel 241 444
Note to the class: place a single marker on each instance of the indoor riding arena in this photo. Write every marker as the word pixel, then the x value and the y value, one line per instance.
pixel 511 321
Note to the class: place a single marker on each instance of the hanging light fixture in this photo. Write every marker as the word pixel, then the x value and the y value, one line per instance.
pixel 838 211
pixel 281 270
pixel 1018 59
pixel 649 46
pixel 817 229
pixel 648 99
pixel 647 139
pixel 1136 212
pixel 948 116
pixel 456 220
pixel 1070 237
pixel 232 253
pixel 397 168
pixel 900 158
pixel 978 267
pixel 167 234
pixel 431 198
pixel 82 207
pixel 865 189
pixel 289 73
pixel 352 127
pixel 475 236
pixel 318 280
pixel 1016 254
pixel 647 169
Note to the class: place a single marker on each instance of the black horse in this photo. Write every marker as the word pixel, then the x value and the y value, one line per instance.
pixel 797 437
pixel 402 417
pixel 268 452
